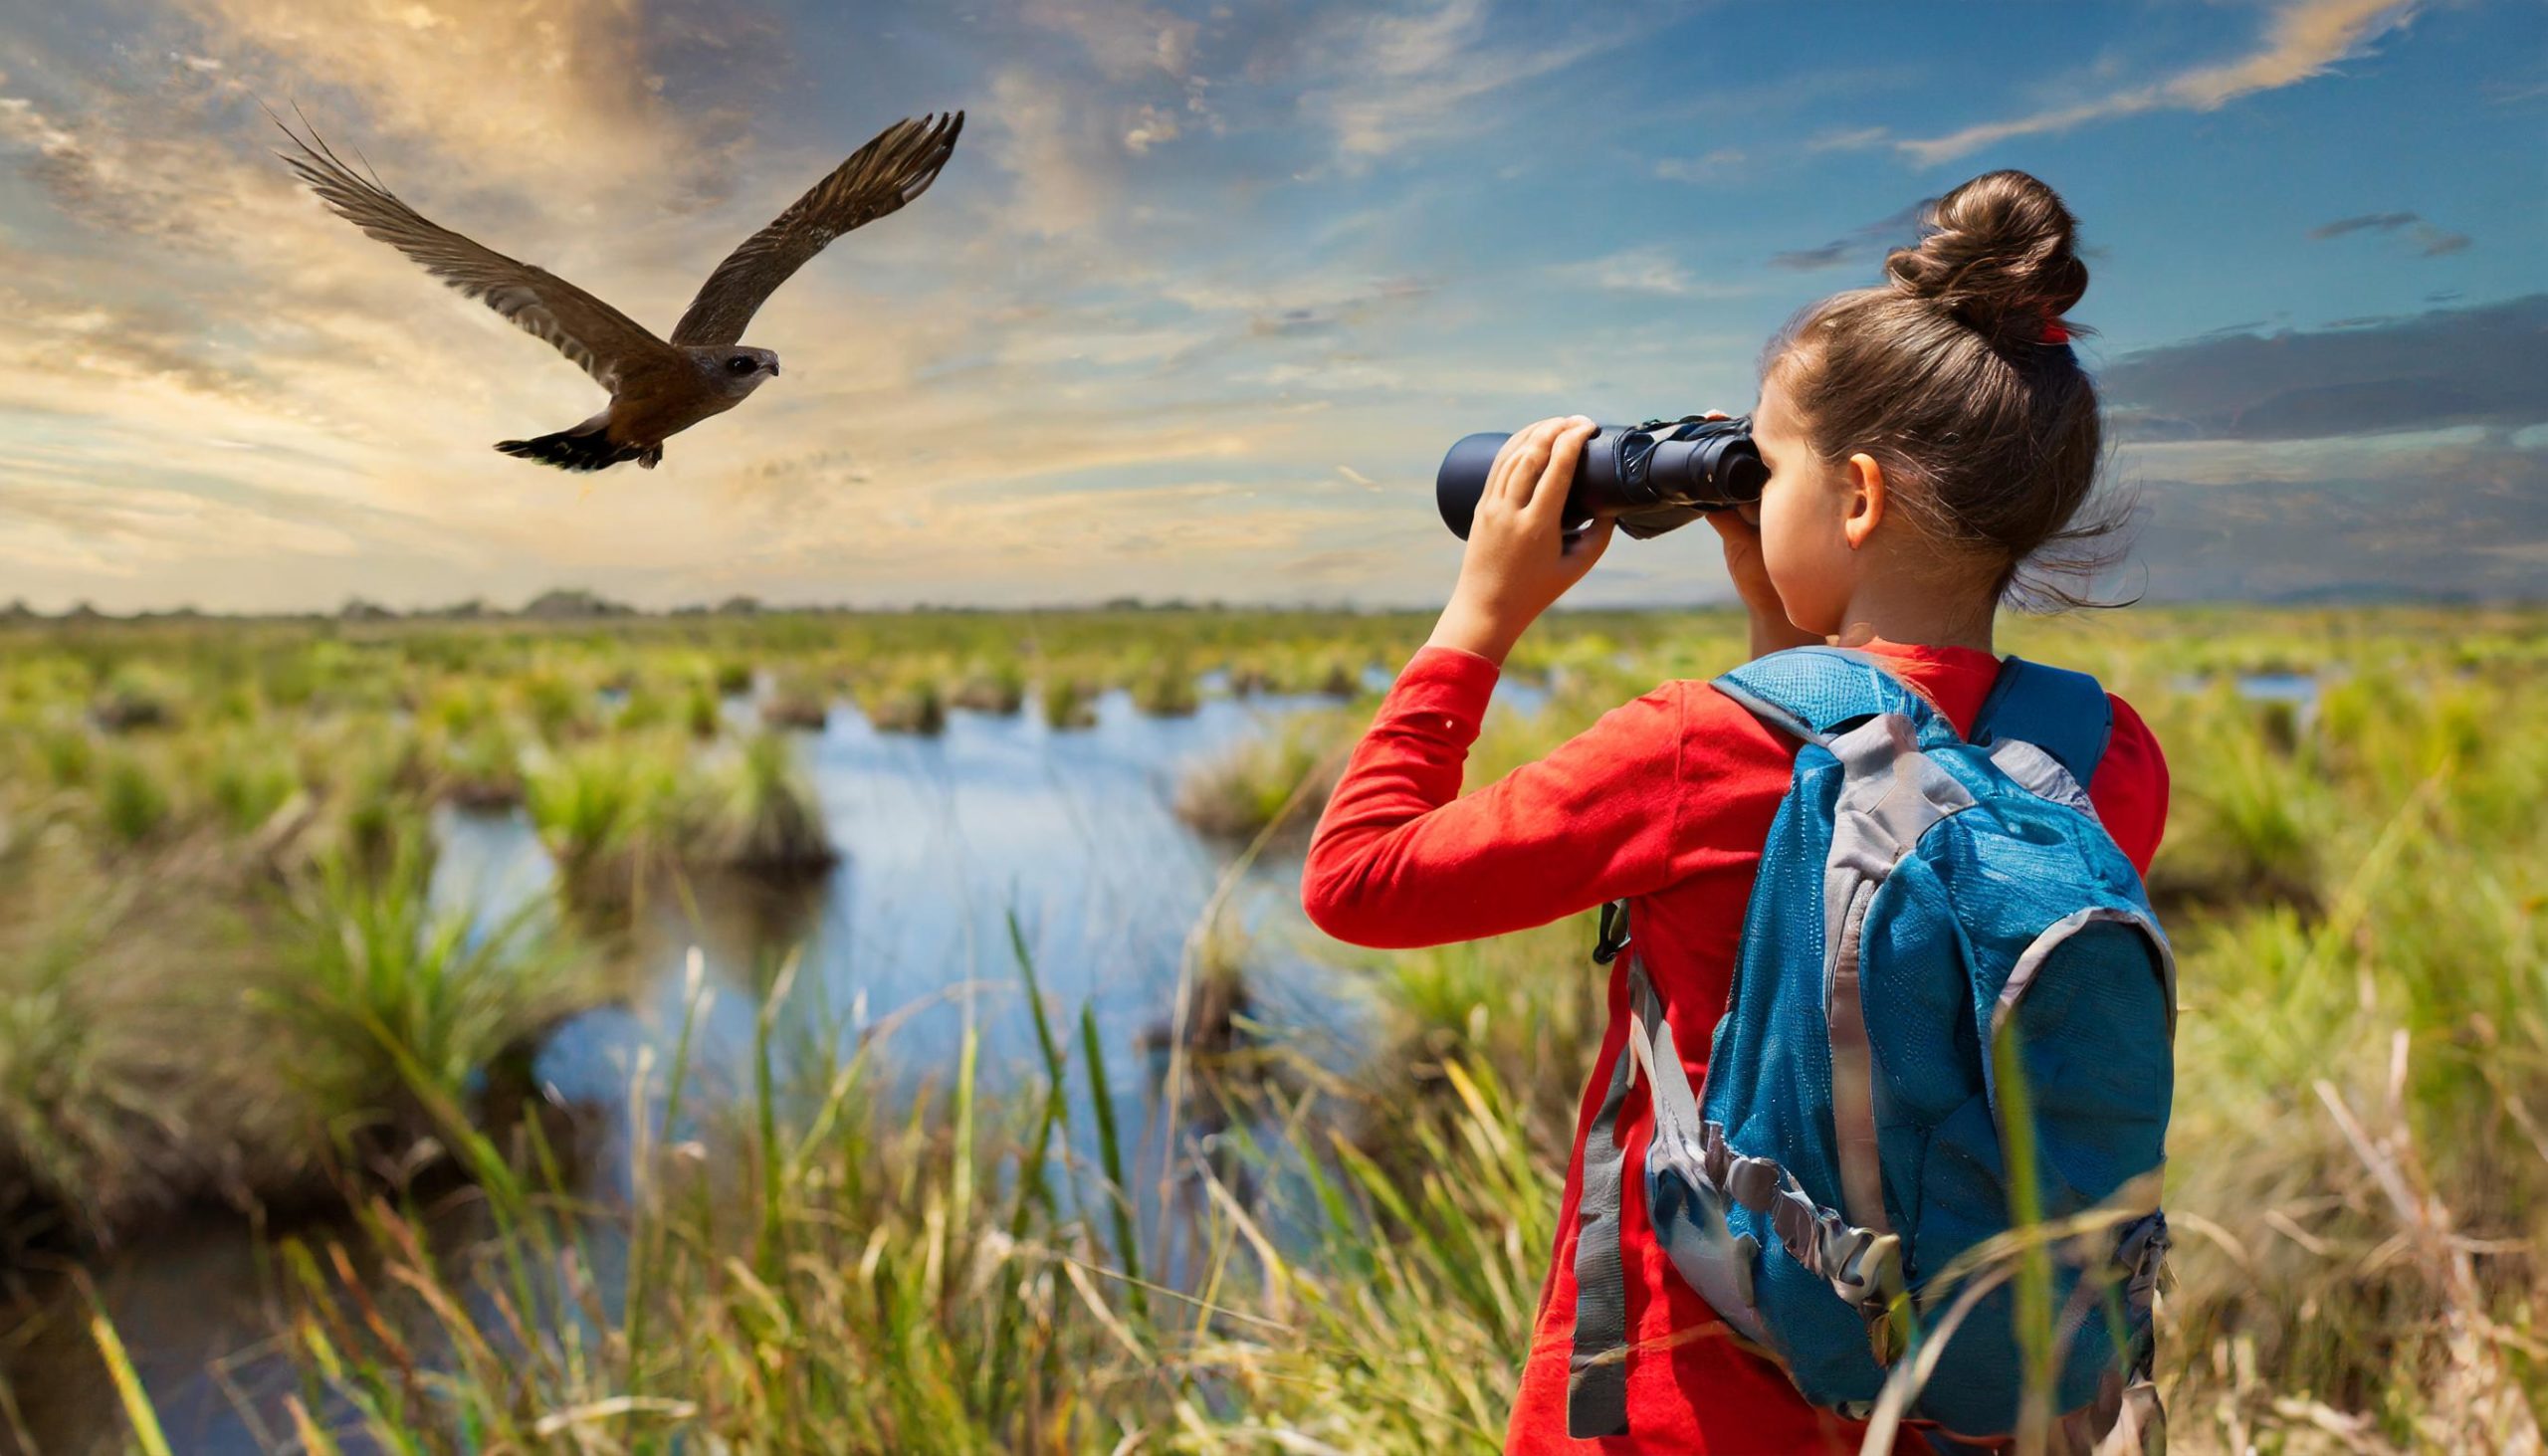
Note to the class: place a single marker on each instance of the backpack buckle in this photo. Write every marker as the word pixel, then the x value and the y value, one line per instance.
pixel 1871 1275
pixel 1614 936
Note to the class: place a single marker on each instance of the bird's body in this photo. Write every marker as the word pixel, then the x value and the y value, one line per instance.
pixel 658 387
pixel 651 405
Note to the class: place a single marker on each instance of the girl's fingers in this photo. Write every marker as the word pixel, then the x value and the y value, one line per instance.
pixel 1527 465
pixel 1520 469
pixel 1493 496
pixel 1499 468
pixel 1586 549
pixel 1500 475
pixel 1501 471
pixel 1557 475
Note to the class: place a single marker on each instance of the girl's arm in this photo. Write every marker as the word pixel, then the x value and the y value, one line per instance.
pixel 1401 859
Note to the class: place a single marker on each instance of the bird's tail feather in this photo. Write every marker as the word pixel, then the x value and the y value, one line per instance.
pixel 580 448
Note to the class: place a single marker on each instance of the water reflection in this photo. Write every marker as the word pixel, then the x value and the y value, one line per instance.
pixel 941 838
pixel 2298 692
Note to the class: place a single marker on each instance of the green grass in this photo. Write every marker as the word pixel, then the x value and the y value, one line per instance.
pixel 1166 690
pixel 133 801
pixel 1286 773
pixel 608 810
pixel 996 687
pixel 2359 1170
pixel 909 702
pixel 1068 703
pixel 758 813
pixel 248 779
pixel 800 702
pixel 380 991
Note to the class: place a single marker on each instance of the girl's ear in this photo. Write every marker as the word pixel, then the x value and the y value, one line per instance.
pixel 1866 500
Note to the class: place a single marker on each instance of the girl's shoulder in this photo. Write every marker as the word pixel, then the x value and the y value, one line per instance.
pixel 1724 748
pixel 2130 788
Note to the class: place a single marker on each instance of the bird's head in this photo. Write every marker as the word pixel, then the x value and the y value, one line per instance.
pixel 736 369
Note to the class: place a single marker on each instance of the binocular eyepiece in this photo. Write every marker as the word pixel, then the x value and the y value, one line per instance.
pixel 1655 476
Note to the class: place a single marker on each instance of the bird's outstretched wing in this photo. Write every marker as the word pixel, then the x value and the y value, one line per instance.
pixel 879 178
pixel 604 342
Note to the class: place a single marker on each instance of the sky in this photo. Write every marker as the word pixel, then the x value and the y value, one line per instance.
pixel 1206 290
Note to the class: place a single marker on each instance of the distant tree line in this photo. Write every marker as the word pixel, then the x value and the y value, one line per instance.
pixel 578 604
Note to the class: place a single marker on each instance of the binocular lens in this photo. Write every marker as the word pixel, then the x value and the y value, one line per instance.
pixel 1462 479
pixel 1708 473
pixel 1654 476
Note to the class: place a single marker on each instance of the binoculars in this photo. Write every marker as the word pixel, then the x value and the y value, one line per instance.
pixel 1654 476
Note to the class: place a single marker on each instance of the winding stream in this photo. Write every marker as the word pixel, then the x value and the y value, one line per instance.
pixel 941 838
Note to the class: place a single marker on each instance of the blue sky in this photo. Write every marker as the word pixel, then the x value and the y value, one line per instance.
pixel 1206 290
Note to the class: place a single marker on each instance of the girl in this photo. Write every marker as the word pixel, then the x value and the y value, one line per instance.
pixel 1925 439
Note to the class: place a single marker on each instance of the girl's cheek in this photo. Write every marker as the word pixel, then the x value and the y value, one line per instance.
pixel 1796 560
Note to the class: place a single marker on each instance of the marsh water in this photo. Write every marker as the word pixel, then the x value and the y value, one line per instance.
pixel 943 840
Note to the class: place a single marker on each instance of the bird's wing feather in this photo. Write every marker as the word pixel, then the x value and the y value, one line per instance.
pixel 602 340
pixel 894 167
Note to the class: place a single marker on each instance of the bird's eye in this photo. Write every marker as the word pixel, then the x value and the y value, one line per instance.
pixel 740 364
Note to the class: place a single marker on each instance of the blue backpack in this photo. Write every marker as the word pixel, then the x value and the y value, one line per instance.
pixel 1923 903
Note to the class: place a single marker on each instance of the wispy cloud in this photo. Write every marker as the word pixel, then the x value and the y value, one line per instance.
pixel 1066 173
pixel 1650 270
pixel 1423 74
pixel 2380 220
pixel 2431 241
pixel 2302 39
pixel 1126 37
pixel 567 98
pixel 1717 165
pixel 1872 240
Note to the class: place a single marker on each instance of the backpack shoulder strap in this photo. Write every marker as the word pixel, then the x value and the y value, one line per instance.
pixel 2063 713
pixel 1814 692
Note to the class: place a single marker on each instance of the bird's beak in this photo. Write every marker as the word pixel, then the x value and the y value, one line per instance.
pixel 773 368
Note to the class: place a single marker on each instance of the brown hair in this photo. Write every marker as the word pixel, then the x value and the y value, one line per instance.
pixel 1989 435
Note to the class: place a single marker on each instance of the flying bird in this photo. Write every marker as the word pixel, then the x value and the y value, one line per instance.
pixel 658 387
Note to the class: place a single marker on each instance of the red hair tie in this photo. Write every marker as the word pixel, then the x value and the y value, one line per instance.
pixel 2053 332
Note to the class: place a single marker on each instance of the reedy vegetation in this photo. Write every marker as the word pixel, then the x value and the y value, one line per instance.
pixel 2359 1177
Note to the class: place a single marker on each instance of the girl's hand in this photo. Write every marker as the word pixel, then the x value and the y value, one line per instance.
pixel 1519 560
pixel 1740 528
pixel 1771 629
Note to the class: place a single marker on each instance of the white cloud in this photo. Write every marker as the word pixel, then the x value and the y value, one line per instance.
pixel 1852 138
pixel 1648 270
pixel 1150 127
pixel 1404 79
pixel 1096 343
pixel 1041 137
pixel 124 530
pixel 1123 36
pixel 2302 40
pixel 1712 166
pixel 555 94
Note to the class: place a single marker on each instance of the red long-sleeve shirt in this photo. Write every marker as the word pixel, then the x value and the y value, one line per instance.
pixel 1666 801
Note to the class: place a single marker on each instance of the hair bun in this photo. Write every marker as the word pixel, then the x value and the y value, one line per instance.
pixel 1999 257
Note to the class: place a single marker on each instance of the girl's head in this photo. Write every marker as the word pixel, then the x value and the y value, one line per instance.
pixel 1924 429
